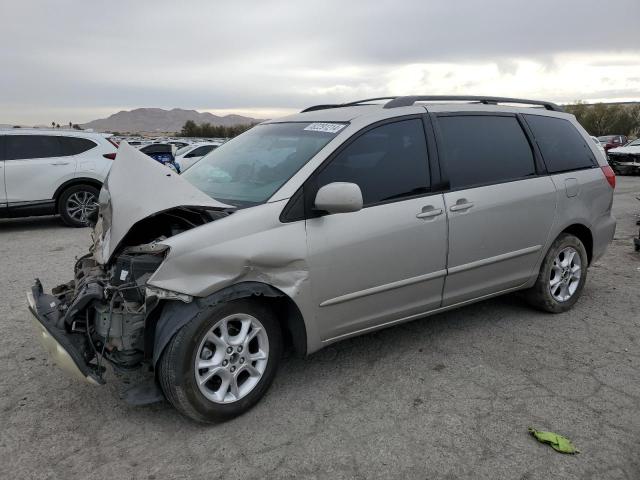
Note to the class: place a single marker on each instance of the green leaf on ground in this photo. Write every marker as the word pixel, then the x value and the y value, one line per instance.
pixel 558 442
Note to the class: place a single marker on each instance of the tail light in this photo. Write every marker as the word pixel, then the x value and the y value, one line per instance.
pixel 609 175
pixel 110 156
pixel 113 142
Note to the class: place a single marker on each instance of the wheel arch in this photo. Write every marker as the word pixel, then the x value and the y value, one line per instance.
pixel 584 234
pixel 171 315
pixel 72 183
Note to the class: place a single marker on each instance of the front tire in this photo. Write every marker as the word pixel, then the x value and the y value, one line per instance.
pixel 562 276
pixel 77 203
pixel 222 362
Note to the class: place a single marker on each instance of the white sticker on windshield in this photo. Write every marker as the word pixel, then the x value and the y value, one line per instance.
pixel 325 127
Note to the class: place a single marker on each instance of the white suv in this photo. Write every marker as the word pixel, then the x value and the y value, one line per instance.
pixel 43 172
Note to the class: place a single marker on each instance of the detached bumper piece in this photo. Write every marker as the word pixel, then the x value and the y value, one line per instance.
pixel 70 350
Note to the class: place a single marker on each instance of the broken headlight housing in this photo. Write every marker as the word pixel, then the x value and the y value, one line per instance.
pixel 163 294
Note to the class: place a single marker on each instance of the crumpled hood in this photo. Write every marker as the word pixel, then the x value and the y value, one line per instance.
pixel 630 150
pixel 137 187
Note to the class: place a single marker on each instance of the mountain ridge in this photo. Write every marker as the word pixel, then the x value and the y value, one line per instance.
pixel 158 120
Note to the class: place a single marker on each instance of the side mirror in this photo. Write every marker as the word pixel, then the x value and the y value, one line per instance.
pixel 339 197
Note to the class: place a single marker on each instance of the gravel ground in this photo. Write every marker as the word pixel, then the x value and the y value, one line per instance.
pixel 449 396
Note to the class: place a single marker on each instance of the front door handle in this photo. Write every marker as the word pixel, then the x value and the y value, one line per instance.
pixel 429 212
pixel 461 205
pixel 59 163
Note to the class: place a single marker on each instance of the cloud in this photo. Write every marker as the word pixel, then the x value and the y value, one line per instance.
pixel 79 60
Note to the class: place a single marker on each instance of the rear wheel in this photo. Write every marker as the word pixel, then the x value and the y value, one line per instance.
pixel 222 362
pixel 77 203
pixel 562 276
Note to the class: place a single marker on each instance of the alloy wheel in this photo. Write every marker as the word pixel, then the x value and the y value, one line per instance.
pixel 232 358
pixel 566 273
pixel 80 205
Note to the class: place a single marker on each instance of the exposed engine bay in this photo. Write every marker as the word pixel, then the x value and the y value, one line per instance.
pixel 104 311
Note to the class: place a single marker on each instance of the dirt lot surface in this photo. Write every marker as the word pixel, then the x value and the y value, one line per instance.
pixel 449 396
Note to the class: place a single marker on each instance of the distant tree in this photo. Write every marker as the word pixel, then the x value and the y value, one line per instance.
pixel 75 126
pixel 53 124
pixel 57 125
pixel 192 129
pixel 607 119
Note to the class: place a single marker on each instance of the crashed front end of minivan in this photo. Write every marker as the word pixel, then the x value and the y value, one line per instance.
pixel 104 310
pixel 154 264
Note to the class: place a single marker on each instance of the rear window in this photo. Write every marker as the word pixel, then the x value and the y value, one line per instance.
pixel 562 147
pixel 482 149
pixel 75 145
pixel 18 147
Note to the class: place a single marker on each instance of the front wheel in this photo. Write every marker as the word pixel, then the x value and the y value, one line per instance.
pixel 222 362
pixel 562 276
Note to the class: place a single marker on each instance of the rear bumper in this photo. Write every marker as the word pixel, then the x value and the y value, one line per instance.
pixel 62 346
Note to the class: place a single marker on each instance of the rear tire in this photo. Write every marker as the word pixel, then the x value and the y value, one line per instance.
pixel 234 373
pixel 562 276
pixel 76 204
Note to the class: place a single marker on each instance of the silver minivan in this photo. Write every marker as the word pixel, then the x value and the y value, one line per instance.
pixel 320 226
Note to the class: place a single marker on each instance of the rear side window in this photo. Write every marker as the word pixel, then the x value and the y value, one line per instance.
pixel 481 149
pixel 387 163
pixel 562 147
pixel 32 146
pixel 75 145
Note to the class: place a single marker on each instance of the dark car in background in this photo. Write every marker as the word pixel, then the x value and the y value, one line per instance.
pixel 163 153
pixel 612 141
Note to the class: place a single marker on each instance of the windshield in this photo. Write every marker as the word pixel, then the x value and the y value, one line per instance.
pixel 248 169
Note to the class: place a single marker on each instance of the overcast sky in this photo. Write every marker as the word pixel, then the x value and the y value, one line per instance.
pixel 79 60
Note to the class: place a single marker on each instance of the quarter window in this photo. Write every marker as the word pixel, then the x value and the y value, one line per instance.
pixel 562 147
pixel 482 149
pixel 32 146
pixel 387 163
pixel 75 145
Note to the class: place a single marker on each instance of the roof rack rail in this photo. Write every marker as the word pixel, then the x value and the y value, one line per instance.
pixel 409 100
pixel 313 108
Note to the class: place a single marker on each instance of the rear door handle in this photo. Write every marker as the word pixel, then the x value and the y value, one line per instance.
pixel 461 205
pixel 59 163
pixel 429 212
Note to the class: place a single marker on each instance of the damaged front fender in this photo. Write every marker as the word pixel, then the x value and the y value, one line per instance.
pixel 176 315
pixel 248 253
